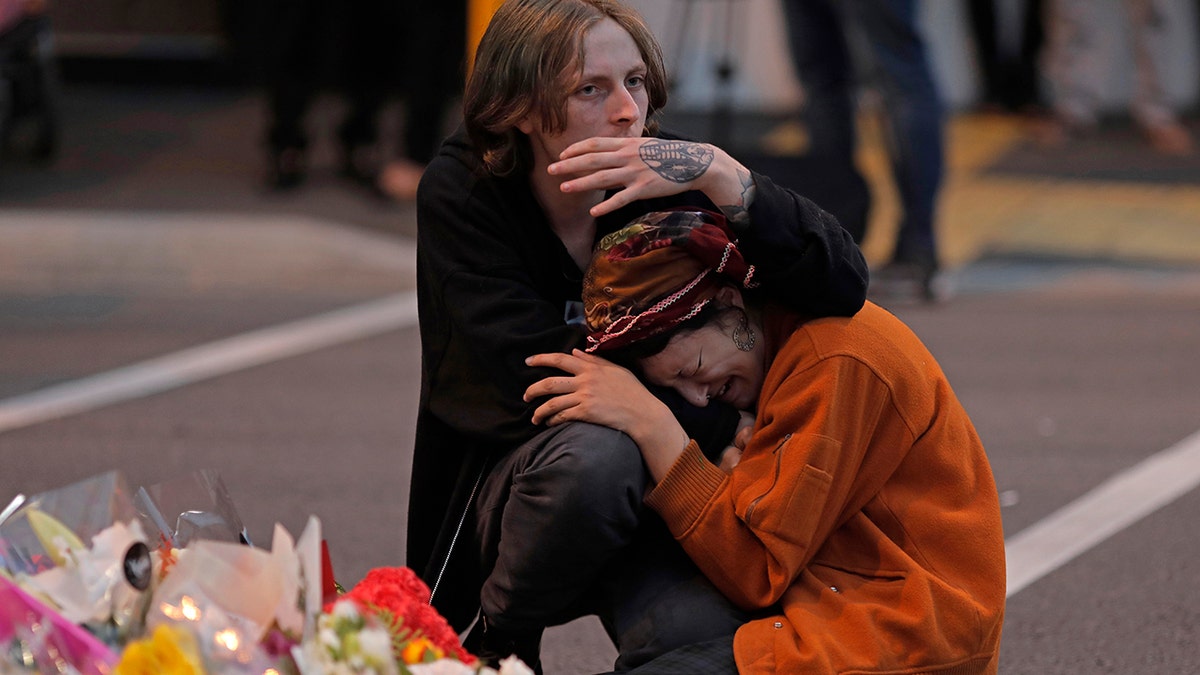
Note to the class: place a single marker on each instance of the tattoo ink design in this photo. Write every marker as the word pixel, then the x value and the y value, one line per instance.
pixel 677 161
pixel 738 214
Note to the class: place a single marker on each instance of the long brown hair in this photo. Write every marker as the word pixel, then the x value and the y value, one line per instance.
pixel 527 62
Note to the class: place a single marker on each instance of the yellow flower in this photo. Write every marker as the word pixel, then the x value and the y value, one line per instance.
pixel 170 650
pixel 420 650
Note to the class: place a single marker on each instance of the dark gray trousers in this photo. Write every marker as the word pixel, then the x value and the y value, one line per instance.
pixel 562 528
pixel 714 657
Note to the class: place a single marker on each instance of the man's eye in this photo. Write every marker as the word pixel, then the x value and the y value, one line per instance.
pixel 589 90
pixel 636 81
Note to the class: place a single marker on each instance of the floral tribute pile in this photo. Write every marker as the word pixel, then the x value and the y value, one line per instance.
pixel 97 580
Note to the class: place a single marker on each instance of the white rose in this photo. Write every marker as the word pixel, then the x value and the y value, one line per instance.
pixel 329 638
pixel 376 645
pixel 345 610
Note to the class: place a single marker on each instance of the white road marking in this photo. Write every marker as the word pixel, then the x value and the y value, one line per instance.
pixel 210 360
pixel 1031 554
pixel 1105 510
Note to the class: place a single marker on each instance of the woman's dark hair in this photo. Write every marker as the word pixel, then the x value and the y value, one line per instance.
pixel 631 355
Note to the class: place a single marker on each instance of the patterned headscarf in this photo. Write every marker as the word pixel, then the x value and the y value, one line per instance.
pixel 657 272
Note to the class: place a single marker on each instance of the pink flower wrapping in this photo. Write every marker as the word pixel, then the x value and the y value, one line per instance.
pixel 19 611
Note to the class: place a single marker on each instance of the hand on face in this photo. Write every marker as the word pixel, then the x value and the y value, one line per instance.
pixel 643 168
pixel 601 146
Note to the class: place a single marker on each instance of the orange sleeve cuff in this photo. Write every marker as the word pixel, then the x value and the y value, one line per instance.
pixel 685 492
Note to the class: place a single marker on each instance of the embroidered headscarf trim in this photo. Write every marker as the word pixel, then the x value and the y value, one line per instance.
pixel 657 272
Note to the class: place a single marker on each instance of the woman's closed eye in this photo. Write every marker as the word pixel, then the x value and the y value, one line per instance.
pixel 695 369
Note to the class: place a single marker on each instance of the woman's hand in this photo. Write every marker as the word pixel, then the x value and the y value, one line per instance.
pixel 601 392
pixel 732 454
pixel 644 168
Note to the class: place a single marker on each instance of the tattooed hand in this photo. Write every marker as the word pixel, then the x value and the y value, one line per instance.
pixel 643 168
pixel 677 161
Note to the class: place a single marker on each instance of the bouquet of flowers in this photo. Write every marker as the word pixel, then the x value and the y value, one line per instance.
pixel 94 581
pixel 385 625
pixel 82 550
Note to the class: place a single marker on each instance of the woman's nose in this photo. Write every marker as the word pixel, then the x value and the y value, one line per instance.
pixel 697 395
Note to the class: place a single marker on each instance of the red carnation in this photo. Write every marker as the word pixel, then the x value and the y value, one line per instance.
pixel 401 599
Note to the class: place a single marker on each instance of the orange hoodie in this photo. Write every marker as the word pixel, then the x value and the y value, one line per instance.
pixel 863 510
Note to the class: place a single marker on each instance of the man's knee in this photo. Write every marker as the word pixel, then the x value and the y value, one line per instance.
pixel 586 469
pixel 598 456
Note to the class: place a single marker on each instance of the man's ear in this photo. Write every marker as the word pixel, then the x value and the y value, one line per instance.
pixel 730 296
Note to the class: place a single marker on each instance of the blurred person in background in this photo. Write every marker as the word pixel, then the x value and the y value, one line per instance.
pixel 1078 73
pixel 832 42
pixel 1008 40
pixel 314 44
pixel 433 63
pixel 29 86
pixel 532 527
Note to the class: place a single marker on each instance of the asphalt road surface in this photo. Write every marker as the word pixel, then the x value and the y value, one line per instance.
pixel 275 368
pixel 274 341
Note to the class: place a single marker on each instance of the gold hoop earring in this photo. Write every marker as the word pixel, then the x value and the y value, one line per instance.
pixel 743 335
